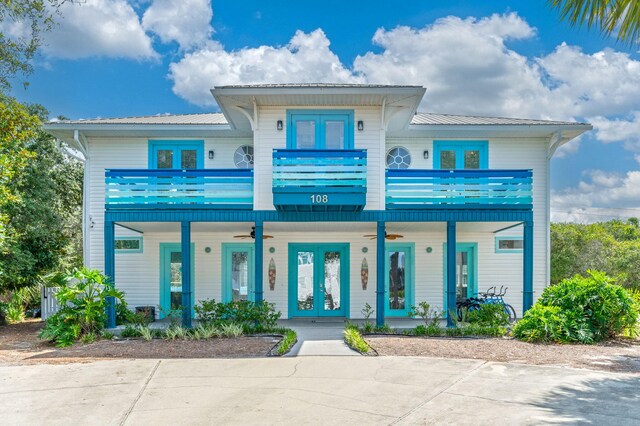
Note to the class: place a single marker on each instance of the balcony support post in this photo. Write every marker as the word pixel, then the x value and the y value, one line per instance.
pixel 380 273
pixel 527 266
pixel 110 269
pixel 451 272
pixel 187 279
pixel 259 254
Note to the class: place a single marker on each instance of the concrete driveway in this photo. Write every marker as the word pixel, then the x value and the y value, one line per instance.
pixel 314 390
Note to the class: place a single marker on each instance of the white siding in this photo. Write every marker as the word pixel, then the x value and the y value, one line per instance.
pixel 267 138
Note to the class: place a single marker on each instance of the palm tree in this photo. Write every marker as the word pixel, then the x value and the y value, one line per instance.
pixel 618 17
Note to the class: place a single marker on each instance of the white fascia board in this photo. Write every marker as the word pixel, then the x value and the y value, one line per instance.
pixel 487 130
pixel 256 91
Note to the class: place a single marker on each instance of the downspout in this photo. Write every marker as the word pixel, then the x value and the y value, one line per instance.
pixel 85 193
pixel 554 143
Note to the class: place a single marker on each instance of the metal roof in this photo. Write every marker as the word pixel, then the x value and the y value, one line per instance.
pixel 164 119
pixel 432 119
pixel 217 118
pixel 312 85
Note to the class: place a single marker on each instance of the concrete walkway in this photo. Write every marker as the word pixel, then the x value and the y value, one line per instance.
pixel 319 338
pixel 314 390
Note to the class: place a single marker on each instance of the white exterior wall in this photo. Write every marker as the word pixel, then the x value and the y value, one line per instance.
pixel 267 138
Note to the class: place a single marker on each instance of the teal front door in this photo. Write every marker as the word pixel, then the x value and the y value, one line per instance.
pixel 466 271
pixel 399 284
pixel 171 277
pixel 318 279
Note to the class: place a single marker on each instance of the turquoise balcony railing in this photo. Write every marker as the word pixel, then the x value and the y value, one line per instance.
pixel 176 189
pixel 319 180
pixel 424 189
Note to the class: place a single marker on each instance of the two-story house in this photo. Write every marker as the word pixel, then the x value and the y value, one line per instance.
pixel 319 198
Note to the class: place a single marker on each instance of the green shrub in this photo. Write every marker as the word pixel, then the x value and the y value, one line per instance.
pixel 131 331
pixel 428 330
pixel 289 338
pixel 429 315
pixel 146 333
pixel 252 317
pixel 88 338
pixel 83 297
pixel 580 309
pixel 174 332
pixel 488 314
pixel 14 313
pixel 203 331
pixel 231 329
pixel 354 339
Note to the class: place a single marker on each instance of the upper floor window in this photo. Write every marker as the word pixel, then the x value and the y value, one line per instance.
pixel 176 154
pixel 320 129
pixel 398 158
pixel 460 155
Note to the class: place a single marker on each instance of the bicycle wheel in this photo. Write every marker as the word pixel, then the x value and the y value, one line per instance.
pixel 511 312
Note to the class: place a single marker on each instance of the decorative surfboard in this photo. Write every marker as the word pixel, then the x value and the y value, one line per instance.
pixel 272 275
pixel 364 273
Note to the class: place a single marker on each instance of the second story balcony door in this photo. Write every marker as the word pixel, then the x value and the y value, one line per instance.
pixel 176 155
pixel 460 155
pixel 309 129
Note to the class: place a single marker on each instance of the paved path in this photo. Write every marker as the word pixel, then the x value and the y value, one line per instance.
pixel 319 339
pixel 314 390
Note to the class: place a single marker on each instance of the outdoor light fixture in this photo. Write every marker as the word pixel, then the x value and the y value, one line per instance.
pixel 425 154
pixel 279 125
pixel 211 155
pixel 360 125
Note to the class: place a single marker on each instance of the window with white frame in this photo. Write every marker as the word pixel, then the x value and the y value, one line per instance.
pixel 509 244
pixel 128 244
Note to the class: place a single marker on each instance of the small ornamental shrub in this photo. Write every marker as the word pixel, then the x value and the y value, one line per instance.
pixel 83 298
pixel 251 317
pixel 580 309
pixel 353 338
pixel 131 331
pixel 488 314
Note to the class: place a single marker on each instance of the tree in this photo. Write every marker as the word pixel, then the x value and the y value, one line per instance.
pixel 619 17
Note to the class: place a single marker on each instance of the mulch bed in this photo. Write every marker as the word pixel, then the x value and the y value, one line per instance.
pixel 19 344
pixel 619 355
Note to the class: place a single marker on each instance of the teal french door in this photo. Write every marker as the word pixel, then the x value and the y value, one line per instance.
pixel 460 155
pixel 321 129
pixel 318 279
pixel 176 155
pixel 237 272
pixel 466 271
pixel 399 279
pixel 171 277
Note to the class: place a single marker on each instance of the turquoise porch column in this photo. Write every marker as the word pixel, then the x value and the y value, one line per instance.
pixel 187 279
pixel 259 254
pixel 380 273
pixel 110 269
pixel 451 272
pixel 527 266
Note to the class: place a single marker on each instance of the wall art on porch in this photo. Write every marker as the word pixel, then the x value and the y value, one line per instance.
pixel 272 274
pixel 364 273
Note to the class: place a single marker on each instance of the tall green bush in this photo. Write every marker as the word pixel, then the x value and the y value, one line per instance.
pixel 580 309
pixel 83 298
pixel 253 317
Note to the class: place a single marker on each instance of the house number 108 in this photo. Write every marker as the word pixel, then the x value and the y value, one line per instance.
pixel 319 199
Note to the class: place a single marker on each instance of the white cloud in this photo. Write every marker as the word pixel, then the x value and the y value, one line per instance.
pixel 600 196
pixel 306 58
pixel 614 130
pixel 187 22
pixel 108 28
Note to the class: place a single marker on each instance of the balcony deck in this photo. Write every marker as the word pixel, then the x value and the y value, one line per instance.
pixel 179 189
pixel 309 180
pixel 458 189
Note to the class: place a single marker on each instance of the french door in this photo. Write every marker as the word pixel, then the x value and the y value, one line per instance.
pixel 399 284
pixel 460 155
pixel 176 155
pixel 171 277
pixel 318 279
pixel 466 271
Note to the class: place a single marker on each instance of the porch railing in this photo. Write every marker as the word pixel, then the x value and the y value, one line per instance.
pixel 409 189
pixel 319 180
pixel 146 188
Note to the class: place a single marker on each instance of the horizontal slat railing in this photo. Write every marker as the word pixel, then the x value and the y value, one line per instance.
pixel 143 188
pixel 296 168
pixel 432 188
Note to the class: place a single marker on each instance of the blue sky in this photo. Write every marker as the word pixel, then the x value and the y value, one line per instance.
pixel 119 58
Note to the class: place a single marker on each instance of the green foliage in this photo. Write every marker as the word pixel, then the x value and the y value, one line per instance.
pixel 231 329
pixel 252 317
pixel 131 330
pixel 203 331
pixel 612 247
pixel 489 314
pixel 580 309
pixel 175 332
pixel 14 313
pixel 429 315
pixel 146 333
pixel 428 330
pixel 88 338
pixel 354 339
pixel 83 299
pixel 289 338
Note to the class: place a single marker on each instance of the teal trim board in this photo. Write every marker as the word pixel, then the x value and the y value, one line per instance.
pixel 165 275
pixel 471 249
pixel 459 147
pixel 227 269
pixel 400 306
pixel 320 117
pixel 315 305
pixel 176 146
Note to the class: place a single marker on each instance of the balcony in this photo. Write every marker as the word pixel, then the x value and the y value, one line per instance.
pixel 179 189
pixel 307 180
pixel 458 189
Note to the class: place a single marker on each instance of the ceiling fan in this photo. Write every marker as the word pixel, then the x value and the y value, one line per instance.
pixel 386 236
pixel 252 235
